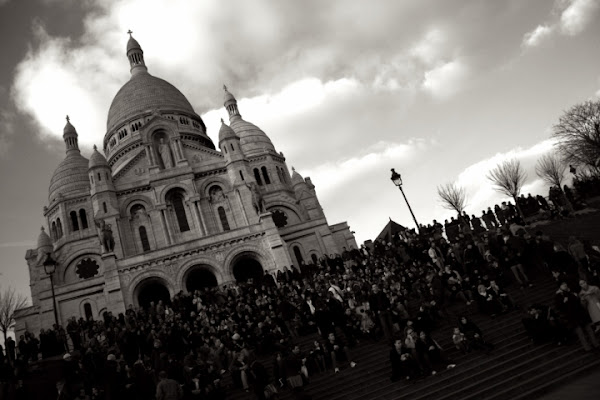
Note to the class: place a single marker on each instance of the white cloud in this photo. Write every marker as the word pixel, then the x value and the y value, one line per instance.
pixel 331 176
pixel 578 15
pixel 446 80
pixel 537 36
pixel 432 47
pixel 480 190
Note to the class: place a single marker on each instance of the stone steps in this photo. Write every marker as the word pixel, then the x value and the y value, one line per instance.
pixel 514 359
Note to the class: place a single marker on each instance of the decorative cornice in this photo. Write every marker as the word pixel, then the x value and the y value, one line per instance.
pixel 133 145
pixel 199 148
pixel 208 249
pixel 257 158
pixel 134 190
pixel 219 171
pixel 129 165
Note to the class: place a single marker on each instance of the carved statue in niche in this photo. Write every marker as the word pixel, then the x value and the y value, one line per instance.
pixel 106 236
pixel 138 211
pixel 165 153
pixel 257 199
pixel 216 194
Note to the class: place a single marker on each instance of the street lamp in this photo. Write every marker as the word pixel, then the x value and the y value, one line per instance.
pixel 50 268
pixel 397 179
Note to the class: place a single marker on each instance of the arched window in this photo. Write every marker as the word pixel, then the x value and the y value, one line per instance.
pixel 99 177
pixel 74 223
pixel 87 310
pixel 298 255
pixel 59 230
pixel 257 176
pixel 83 218
pixel 54 231
pixel 231 145
pixel 179 208
pixel 241 175
pixel 266 175
pixel 144 239
pixel 92 179
pixel 223 218
pixel 104 207
pixel 279 174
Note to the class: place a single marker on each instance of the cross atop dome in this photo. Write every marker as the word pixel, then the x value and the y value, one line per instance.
pixel 130 32
pixel 68 119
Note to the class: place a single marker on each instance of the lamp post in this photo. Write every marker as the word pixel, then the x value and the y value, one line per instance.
pixel 397 179
pixel 50 269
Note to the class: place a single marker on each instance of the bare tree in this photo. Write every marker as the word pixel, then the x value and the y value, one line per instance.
pixel 508 179
pixel 453 197
pixel 10 301
pixel 551 169
pixel 578 134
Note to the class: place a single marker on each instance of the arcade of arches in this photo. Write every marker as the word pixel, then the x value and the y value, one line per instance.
pixel 152 289
pixel 200 277
pixel 246 267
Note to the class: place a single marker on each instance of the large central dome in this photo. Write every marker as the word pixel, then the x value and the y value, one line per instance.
pixel 144 93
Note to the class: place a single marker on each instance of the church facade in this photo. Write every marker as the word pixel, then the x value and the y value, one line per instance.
pixel 162 210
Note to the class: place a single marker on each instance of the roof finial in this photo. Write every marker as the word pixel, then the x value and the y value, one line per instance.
pixel 68 119
pixel 95 148
pixel 42 229
pixel 224 87
pixel 130 32
pixel 293 169
pixel 222 121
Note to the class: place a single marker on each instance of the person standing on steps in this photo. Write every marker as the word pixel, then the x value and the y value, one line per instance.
pixel 590 298
pixel 574 316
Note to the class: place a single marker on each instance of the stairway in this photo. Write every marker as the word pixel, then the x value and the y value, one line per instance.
pixel 515 369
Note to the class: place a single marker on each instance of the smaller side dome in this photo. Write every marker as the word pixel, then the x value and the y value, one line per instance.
pixel 296 177
pixel 43 240
pixel 226 132
pixel 97 159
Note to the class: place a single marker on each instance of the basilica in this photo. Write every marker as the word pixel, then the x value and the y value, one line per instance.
pixel 161 210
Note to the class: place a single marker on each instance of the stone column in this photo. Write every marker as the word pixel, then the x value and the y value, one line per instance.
pixel 200 219
pixel 112 285
pixel 165 227
pixel 193 215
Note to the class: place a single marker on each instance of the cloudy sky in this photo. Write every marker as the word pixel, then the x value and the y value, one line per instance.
pixel 440 90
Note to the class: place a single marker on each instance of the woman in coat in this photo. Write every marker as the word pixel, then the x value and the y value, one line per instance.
pixel 590 298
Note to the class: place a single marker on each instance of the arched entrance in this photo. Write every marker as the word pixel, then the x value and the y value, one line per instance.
pixel 200 277
pixel 246 267
pixel 152 289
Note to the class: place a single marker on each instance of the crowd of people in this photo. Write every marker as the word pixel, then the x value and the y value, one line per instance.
pixel 397 291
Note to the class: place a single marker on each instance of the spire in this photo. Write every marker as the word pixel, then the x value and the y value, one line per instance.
pixel 135 54
pixel 70 137
pixel 230 104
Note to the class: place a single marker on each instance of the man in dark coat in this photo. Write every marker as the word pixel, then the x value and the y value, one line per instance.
pixel 574 316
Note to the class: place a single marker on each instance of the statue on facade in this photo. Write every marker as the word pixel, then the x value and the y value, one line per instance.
pixel 106 236
pixel 165 153
pixel 257 199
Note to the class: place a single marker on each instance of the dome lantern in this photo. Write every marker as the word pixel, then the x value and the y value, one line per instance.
pixel 135 54
pixel 230 104
pixel 70 137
